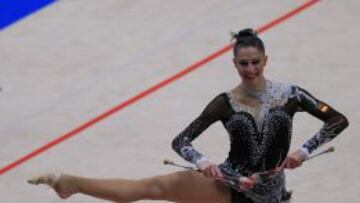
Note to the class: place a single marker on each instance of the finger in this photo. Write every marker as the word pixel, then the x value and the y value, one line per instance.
pixel 216 171
pixel 206 172
pixel 300 163
pixel 293 164
pixel 283 165
pixel 248 183
pixel 297 162
pixel 210 171
pixel 219 173
pixel 209 174
pixel 213 170
pixel 251 184
pixel 289 164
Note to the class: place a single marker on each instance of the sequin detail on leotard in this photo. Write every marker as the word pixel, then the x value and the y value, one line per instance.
pixel 260 140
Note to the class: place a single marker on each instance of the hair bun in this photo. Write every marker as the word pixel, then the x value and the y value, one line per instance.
pixel 247 38
pixel 245 33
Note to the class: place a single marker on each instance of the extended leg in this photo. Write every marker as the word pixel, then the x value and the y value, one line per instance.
pixel 183 186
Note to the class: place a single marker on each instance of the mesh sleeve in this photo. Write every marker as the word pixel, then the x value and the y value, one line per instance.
pixel 334 122
pixel 182 142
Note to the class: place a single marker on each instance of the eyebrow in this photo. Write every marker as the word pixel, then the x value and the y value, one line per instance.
pixel 255 59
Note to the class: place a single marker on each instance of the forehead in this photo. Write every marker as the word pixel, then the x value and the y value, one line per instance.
pixel 248 53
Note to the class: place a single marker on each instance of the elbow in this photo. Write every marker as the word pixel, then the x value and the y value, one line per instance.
pixel 175 144
pixel 345 122
pixel 178 143
pixel 342 122
pixel 338 122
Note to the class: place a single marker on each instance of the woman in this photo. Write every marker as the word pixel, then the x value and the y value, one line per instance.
pixel 258 117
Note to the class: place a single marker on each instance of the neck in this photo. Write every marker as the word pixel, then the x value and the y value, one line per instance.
pixel 259 86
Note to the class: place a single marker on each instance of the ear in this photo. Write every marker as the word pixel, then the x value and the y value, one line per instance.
pixel 265 60
pixel 234 61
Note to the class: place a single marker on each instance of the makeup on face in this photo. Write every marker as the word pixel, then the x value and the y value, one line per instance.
pixel 246 63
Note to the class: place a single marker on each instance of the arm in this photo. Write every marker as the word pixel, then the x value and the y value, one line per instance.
pixel 216 110
pixel 334 122
pixel 182 142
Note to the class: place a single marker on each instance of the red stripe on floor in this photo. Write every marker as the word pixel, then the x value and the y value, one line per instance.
pixel 150 90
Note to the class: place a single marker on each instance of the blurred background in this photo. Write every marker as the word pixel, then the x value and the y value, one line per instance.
pixel 65 62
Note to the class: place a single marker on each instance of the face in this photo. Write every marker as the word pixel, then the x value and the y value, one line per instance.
pixel 250 63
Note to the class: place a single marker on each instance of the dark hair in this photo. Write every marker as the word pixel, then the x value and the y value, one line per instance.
pixel 247 38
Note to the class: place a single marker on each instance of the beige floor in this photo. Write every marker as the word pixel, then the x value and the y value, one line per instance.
pixel 78 58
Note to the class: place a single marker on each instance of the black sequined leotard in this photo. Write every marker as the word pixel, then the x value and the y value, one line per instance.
pixel 260 140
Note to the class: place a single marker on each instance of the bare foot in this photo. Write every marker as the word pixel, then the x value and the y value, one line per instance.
pixel 61 183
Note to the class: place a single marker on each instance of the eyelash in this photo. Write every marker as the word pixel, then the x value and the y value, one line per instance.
pixel 245 63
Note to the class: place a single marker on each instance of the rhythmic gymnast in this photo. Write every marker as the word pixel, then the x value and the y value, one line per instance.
pixel 257 115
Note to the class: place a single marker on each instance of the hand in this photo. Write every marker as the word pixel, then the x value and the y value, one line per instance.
pixel 294 160
pixel 247 182
pixel 210 170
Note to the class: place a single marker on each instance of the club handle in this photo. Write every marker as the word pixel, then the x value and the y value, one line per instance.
pixel 328 150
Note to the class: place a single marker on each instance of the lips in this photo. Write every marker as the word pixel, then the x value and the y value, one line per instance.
pixel 250 76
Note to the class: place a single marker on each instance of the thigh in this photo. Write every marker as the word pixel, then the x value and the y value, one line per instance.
pixel 190 187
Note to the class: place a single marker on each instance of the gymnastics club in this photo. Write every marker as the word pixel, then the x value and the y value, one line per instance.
pixel 330 149
pixel 258 176
pixel 261 175
pixel 168 162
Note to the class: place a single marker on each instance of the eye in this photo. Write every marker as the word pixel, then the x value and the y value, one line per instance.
pixel 243 63
pixel 256 62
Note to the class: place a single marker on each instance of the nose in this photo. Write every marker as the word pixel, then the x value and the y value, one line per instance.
pixel 250 67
